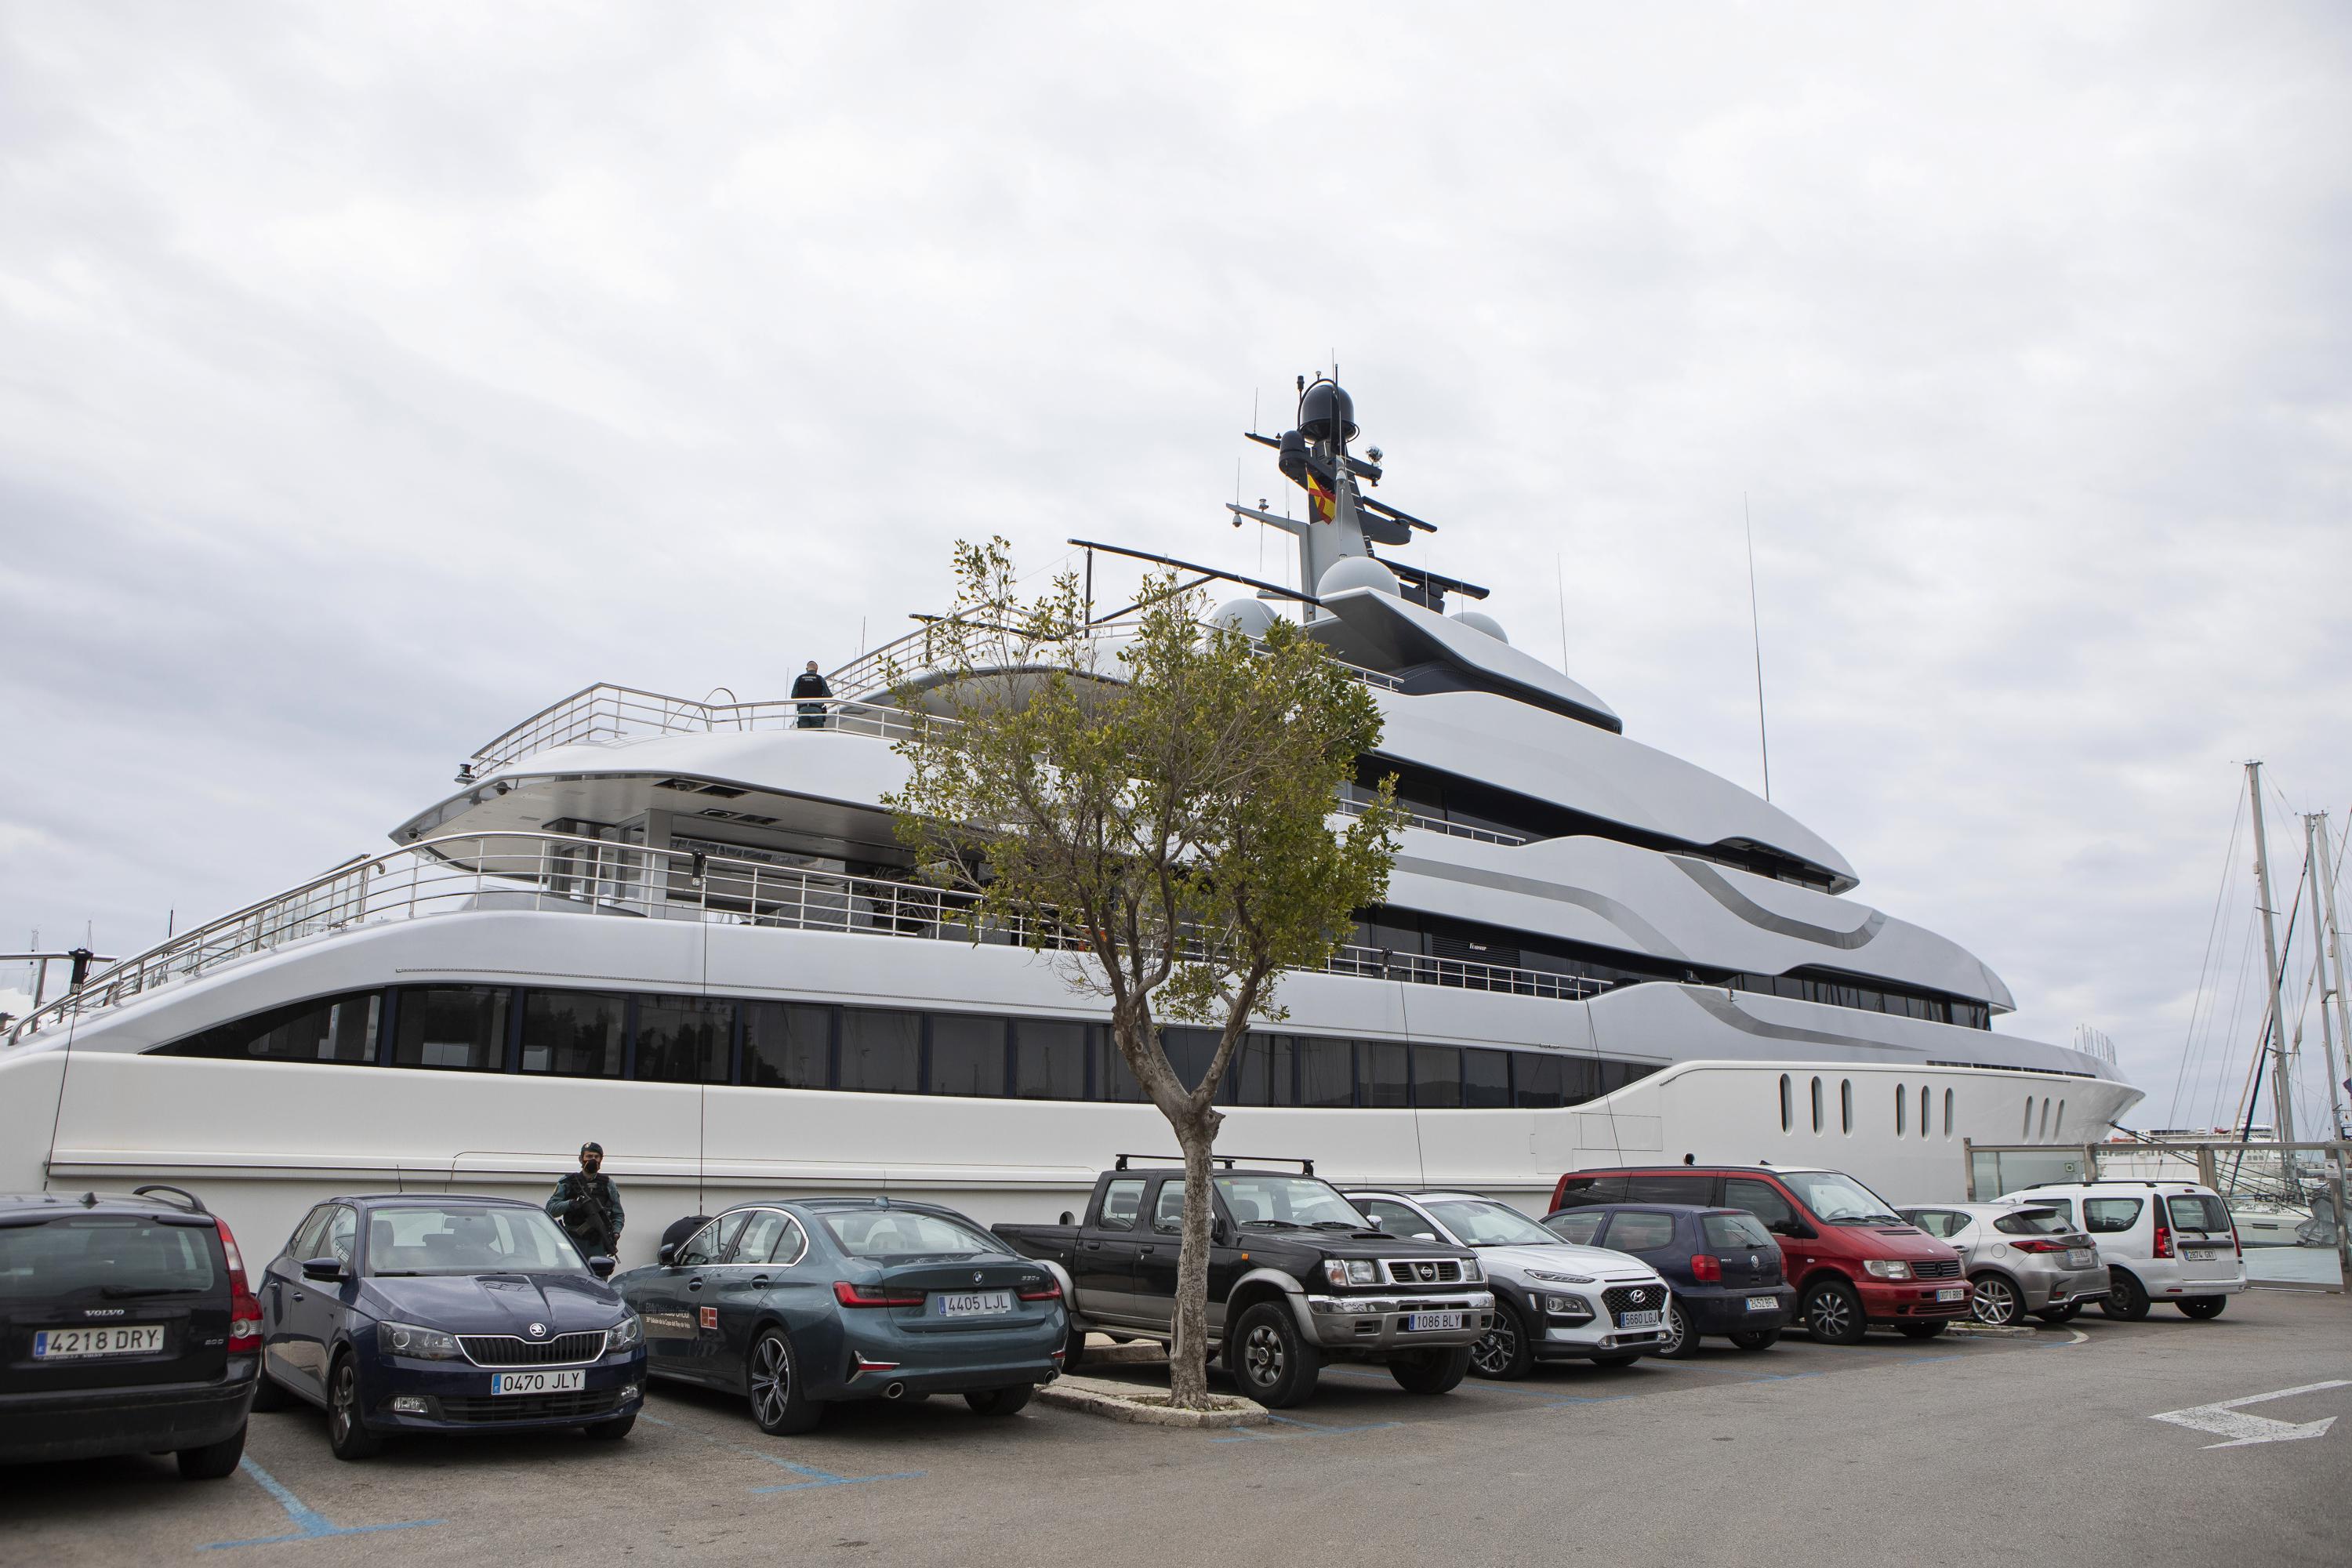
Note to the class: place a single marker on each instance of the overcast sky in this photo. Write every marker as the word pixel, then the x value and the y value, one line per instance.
pixel 373 376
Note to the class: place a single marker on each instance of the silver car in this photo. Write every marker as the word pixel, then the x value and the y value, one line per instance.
pixel 2021 1258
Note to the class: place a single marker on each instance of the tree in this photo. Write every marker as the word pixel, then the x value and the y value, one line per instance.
pixel 1149 804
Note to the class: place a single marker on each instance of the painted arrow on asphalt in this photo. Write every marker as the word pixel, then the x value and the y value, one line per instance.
pixel 2226 1419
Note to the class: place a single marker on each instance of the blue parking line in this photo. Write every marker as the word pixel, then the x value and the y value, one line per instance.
pixel 816 1478
pixel 312 1525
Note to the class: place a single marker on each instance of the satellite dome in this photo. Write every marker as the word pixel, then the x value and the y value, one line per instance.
pixel 1251 617
pixel 1483 621
pixel 1354 571
pixel 1326 412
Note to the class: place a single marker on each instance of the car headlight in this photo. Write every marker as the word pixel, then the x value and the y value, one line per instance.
pixel 1471 1273
pixel 1551 1278
pixel 1886 1267
pixel 408 1340
pixel 1351 1272
pixel 629 1330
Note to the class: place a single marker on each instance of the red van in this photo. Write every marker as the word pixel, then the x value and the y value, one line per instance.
pixel 1855 1262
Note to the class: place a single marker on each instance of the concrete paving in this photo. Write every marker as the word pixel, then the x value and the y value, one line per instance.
pixel 1891 1453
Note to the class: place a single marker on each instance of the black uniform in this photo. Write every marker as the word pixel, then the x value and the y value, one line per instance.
pixel 589 1209
pixel 812 684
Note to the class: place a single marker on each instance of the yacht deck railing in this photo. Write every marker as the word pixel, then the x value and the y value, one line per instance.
pixel 608 712
pixel 549 872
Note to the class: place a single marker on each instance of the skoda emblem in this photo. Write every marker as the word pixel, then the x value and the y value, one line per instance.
pixel 537 1330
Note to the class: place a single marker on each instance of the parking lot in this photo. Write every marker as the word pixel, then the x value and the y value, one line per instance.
pixel 1895 1450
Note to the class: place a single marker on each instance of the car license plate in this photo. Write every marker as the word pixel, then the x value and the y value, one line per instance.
pixel 1428 1322
pixel 2197 1254
pixel 2081 1258
pixel 539 1381
pixel 1763 1303
pixel 62 1344
pixel 973 1303
pixel 1637 1320
pixel 1953 1293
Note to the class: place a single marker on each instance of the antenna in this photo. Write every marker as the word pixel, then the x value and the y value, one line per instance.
pixel 1560 576
pixel 1755 627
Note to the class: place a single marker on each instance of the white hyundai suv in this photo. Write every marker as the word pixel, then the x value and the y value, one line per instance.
pixel 2161 1241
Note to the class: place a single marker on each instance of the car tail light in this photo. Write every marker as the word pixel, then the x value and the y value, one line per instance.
pixel 2038 1244
pixel 850 1295
pixel 1049 1291
pixel 1706 1266
pixel 2163 1240
pixel 244 1311
pixel 2233 1238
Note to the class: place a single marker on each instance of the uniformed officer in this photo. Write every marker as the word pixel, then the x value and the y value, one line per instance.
pixel 588 1206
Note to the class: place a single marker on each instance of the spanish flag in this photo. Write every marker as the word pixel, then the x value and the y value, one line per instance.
pixel 1326 504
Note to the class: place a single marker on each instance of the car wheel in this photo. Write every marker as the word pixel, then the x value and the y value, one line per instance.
pixel 2065 1314
pixel 1832 1314
pixel 1922 1330
pixel 1273 1363
pixel 1431 1371
pixel 2127 1297
pixel 1506 1350
pixel 268 1393
pixel 1675 1340
pixel 611 1431
pixel 1000 1401
pixel 347 1433
pixel 1757 1339
pixel 1621 1358
pixel 213 1460
pixel 2201 1306
pixel 1993 1300
pixel 780 1403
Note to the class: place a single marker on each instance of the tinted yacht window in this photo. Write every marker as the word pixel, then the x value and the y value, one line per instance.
pixel 462 1027
pixel 787 1046
pixel 337 1029
pixel 571 1033
pixel 881 1053
pixel 1327 1070
pixel 967 1054
pixel 1486 1079
pixel 684 1039
pixel 1437 1075
pixel 1049 1059
pixel 1381 1074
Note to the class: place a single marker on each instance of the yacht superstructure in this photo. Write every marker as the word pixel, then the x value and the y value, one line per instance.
pixel 687 929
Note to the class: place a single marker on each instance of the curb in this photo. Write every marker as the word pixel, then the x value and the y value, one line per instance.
pixel 1989 1330
pixel 1125 1402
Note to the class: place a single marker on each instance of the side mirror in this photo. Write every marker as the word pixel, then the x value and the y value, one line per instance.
pixel 1218 1235
pixel 1068 1218
pixel 601 1267
pixel 668 1251
pixel 325 1270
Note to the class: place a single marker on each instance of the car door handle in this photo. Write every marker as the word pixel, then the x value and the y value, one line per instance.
pixel 694 1284
pixel 1090 1246
pixel 758 1280
pixel 299 1297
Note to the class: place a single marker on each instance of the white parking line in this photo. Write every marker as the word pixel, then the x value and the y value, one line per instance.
pixel 2225 1419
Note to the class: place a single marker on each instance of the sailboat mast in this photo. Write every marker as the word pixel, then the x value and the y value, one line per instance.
pixel 2281 1091
pixel 2323 873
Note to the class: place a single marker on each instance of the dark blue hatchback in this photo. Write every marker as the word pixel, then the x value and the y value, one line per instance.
pixel 427 1313
pixel 1722 1266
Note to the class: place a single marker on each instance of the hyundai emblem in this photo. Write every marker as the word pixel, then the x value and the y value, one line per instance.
pixel 537 1330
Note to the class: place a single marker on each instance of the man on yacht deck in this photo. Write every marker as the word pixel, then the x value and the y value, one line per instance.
pixel 588 1206
pixel 812 684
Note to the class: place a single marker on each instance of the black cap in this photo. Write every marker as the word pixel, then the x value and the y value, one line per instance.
pixel 592 1146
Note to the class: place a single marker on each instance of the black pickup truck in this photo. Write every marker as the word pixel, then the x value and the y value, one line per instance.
pixel 1297 1276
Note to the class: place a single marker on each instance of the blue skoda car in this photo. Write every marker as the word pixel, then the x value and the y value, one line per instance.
pixel 430 1313
pixel 798 1304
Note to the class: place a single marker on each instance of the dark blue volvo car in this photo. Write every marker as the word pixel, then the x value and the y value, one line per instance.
pixel 1722 1267
pixel 427 1313
pixel 798 1304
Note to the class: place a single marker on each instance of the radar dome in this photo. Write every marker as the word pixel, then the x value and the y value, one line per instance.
pixel 1483 621
pixel 1354 571
pixel 1326 412
pixel 1251 617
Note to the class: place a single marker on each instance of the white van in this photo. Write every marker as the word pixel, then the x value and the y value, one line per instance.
pixel 2161 1241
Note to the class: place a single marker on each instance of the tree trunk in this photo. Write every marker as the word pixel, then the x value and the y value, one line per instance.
pixel 1188 1371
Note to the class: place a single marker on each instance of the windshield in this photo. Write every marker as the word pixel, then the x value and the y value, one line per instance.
pixel 1837 1197
pixel 903 1236
pixel 2193 1211
pixel 1729 1231
pixel 2032 1222
pixel 1484 1223
pixel 466 1239
pixel 100 1256
pixel 1289 1200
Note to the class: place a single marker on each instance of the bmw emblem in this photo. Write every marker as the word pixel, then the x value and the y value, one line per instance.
pixel 538 1329
pixel 976 1278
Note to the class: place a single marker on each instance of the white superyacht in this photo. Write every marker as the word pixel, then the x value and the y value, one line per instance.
pixel 686 930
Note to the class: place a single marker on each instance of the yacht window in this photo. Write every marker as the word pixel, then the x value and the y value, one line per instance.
pixel 1947 1113
pixel 2027 1130
pixel 1258 1062
pixel 881 1052
pixel 1788 1105
pixel 1817 1105
pixel 685 1039
pixel 570 1034
pixel 462 1027
pixel 967 1054
pixel 1922 1110
pixel 1845 1104
pixel 1114 1079
pixel 1539 1080
pixel 1190 1051
pixel 2062 1118
pixel 1381 1074
pixel 1326 1071
pixel 1437 1075
pixel 1902 1099
pixel 2045 1117
pixel 330 1029
pixel 1049 1059
pixel 1486 1079
pixel 787 1045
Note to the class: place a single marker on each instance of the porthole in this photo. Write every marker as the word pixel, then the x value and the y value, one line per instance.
pixel 1947 1113
pixel 1922 1110
pixel 1901 1101
pixel 2062 1118
pixel 2027 1130
pixel 1788 1105
pixel 2045 1119
pixel 1817 1105
pixel 1845 1104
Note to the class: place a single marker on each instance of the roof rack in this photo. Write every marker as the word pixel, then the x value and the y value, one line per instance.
pixel 195 1205
pixel 1306 1167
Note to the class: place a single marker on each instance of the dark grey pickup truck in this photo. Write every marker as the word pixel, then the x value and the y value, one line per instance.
pixel 1297 1276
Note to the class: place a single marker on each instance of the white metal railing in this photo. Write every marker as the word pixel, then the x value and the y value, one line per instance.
pixel 1349 805
pixel 607 712
pixel 558 872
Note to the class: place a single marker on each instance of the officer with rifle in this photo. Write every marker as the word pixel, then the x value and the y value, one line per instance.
pixel 588 1206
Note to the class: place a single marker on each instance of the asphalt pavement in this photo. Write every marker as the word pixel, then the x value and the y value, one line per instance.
pixel 1894 1452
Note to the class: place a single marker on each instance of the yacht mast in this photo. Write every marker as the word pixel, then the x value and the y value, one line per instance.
pixel 2322 871
pixel 2282 1093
